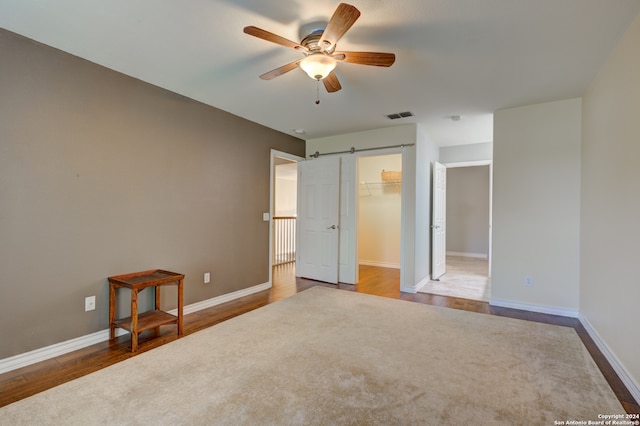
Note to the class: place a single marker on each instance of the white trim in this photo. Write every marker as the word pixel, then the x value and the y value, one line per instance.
pixel 463 254
pixel 615 363
pixel 467 164
pixel 379 264
pixel 52 351
pixel 410 290
pixel 422 283
pixel 551 310
pixel 204 304
pixel 414 288
pixel 48 352
pixel 482 163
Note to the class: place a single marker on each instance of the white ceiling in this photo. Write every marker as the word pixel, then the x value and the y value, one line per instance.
pixel 453 57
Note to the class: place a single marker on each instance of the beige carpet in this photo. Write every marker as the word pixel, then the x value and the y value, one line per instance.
pixel 328 356
pixel 466 277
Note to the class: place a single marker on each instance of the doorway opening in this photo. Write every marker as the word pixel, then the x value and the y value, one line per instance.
pixel 282 209
pixel 379 214
pixel 468 237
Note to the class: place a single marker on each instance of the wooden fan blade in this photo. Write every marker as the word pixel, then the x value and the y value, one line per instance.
pixel 366 58
pixel 331 83
pixel 343 18
pixel 273 38
pixel 280 70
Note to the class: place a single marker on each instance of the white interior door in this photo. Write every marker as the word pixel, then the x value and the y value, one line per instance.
pixel 348 271
pixel 439 222
pixel 317 248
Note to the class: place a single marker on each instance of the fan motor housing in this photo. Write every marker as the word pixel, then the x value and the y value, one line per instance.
pixel 312 40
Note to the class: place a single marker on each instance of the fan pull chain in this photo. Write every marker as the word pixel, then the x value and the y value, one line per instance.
pixel 318 92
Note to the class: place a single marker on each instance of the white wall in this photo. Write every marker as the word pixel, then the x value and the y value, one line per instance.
pixel 610 221
pixel 466 153
pixel 379 212
pixel 395 135
pixel 536 206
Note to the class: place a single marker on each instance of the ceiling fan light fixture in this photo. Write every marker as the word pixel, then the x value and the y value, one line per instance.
pixel 319 47
pixel 318 65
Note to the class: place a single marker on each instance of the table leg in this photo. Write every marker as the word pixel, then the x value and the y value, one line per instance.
pixel 134 320
pixel 112 311
pixel 180 305
pixel 156 290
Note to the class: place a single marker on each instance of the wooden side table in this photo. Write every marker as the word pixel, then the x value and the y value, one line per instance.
pixel 138 323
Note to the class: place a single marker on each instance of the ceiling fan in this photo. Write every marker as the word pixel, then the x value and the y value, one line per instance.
pixel 319 49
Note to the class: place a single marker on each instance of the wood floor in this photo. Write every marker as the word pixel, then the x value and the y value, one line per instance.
pixel 21 383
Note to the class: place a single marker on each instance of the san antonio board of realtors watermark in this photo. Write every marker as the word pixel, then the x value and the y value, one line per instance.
pixel 604 420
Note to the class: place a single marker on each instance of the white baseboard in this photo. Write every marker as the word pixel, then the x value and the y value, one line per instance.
pixel 379 264
pixel 48 352
pixel 198 306
pixel 551 310
pixel 465 254
pixel 615 363
pixel 417 287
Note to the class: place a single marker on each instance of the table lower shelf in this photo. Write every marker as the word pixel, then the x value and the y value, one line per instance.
pixel 147 320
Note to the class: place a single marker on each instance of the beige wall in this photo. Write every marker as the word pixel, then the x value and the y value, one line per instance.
pixel 610 221
pixel 536 205
pixel 102 174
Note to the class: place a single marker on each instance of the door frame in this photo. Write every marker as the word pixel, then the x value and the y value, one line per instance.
pixel 272 181
pixel 438 221
pixel 474 164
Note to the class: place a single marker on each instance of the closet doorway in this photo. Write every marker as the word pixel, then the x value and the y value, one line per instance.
pixel 379 211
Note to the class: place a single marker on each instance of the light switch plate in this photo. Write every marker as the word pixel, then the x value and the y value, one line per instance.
pixel 265 217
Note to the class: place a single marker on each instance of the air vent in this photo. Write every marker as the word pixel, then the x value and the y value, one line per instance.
pixel 400 115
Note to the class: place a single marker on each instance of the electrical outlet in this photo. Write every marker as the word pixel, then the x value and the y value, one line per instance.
pixel 528 281
pixel 207 277
pixel 89 303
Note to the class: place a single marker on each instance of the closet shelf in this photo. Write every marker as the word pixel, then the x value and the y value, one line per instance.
pixel 365 187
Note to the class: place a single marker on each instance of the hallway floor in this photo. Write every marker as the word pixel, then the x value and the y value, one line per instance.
pixel 466 277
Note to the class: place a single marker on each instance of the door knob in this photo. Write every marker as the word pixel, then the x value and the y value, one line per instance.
pixel 331 227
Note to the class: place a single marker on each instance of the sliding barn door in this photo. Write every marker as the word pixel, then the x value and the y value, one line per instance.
pixel 348 271
pixel 317 233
